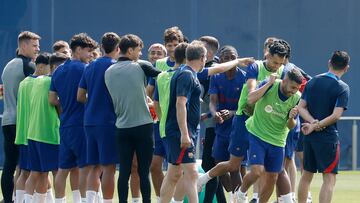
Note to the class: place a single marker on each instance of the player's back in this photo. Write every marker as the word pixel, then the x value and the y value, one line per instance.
pixel 43 120
pixel 98 94
pixel 65 82
pixel 321 95
pixel 23 110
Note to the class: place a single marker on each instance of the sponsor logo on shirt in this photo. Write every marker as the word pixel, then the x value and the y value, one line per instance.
pixel 269 109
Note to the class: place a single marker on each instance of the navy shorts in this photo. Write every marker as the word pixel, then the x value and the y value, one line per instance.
pixel 291 143
pixel 160 148
pixel 321 157
pixel 220 150
pixel 72 152
pixel 239 137
pixel 101 145
pixel 266 154
pixel 177 155
pixel 24 157
pixel 43 157
pixel 300 143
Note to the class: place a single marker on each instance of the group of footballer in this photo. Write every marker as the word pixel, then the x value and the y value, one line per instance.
pixel 86 108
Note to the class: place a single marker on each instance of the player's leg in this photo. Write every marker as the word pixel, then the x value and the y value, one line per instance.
pixel 144 148
pixel 11 153
pixel 135 181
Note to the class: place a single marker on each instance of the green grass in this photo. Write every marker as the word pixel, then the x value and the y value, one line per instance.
pixel 346 190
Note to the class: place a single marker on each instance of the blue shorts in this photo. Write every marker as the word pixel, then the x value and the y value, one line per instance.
pixel 101 145
pixel 239 137
pixel 160 148
pixel 263 153
pixel 177 155
pixel 220 147
pixel 24 157
pixel 72 152
pixel 43 157
pixel 291 143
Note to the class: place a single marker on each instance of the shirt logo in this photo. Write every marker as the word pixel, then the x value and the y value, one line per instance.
pixel 268 109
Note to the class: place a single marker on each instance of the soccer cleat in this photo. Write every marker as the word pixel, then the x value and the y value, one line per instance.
pixel 241 197
pixel 254 200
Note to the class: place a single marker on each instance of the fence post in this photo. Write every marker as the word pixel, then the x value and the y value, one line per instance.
pixel 354 145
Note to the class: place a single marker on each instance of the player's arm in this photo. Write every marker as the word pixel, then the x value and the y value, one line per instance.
pixel 181 116
pixel 335 116
pixel 255 95
pixel 81 95
pixel 223 67
pixel 157 109
pixel 304 113
pixel 212 107
pixel 53 98
pixel 150 90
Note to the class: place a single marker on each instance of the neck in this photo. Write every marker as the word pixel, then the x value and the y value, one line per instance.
pixel 194 65
pixel 111 55
pixel 266 67
pixel 337 73
pixel 172 59
pixel 230 74
pixel 282 85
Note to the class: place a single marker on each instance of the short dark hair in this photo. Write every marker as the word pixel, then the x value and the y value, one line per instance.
pixel 173 33
pixel 57 58
pixel 210 43
pixel 42 58
pixel 82 40
pixel 109 41
pixel 180 52
pixel 287 46
pixel 130 41
pixel 339 60
pixel 295 75
pixel 195 50
pixel 228 48
pixel 59 45
pixel 269 41
pixel 27 35
pixel 278 49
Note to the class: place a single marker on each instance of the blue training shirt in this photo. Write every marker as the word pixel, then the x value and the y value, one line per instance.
pixel 322 94
pixel 99 109
pixel 65 82
pixel 184 83
pixel 228 93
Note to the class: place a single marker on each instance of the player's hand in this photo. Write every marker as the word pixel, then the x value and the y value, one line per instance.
pixel 245 61
pixel 185 141
pixel 218 118
pixel 293 112
pixel 307 128
pixel 226 114
pixel 272 78
pixel 317 127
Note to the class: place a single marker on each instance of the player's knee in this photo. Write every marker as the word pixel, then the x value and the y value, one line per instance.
pixel 191 174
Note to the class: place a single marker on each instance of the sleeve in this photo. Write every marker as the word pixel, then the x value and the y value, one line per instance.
pixel 184 83
pixel 203 75
pixel 343 98
pixel 151 81
pixel 156 93
pixel 262 83
pixel 149 70
pixel 82 83
pixel 252 71
pixel 213 89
